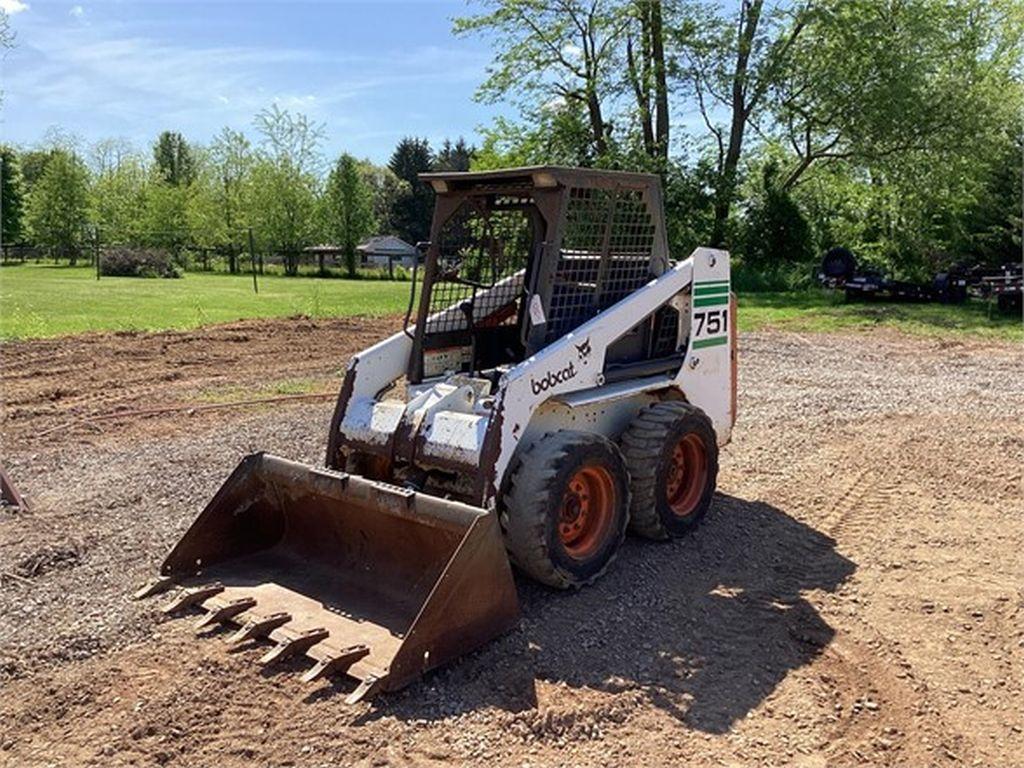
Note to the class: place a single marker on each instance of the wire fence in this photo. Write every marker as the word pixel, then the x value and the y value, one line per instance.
pixel 169 254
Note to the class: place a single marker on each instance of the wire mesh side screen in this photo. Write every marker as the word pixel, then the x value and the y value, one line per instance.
pixel 483 251
pixel 605 255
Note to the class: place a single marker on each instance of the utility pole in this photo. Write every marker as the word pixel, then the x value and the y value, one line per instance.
pixel 252 261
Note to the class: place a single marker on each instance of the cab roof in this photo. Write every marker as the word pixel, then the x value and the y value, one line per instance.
pixel 538 176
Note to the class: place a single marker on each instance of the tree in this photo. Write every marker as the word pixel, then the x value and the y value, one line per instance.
pixel 58 206
pixel 386 188
pixel 454 157
pixel 647 74
pixel 870 80
pixel 118 198
pixel 554 50
pixel 283 194
pixel 175 164
pixel 283 209
pixel 6 33
pixel 6 36
pixel 777 233
pixel 291 137
pixel 12 196
pixel 731 65
pixel 348 203
pixel 555 134
pixel 33 163
pixel 108 154
pixel 217 209
pixel 995 216
pixel 411 211
pixel 164 222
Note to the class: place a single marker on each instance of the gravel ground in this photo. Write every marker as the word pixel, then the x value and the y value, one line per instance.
pixel 853 596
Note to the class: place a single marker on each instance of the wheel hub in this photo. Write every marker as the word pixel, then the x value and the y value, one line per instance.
pixel 687 475
pixel 587 511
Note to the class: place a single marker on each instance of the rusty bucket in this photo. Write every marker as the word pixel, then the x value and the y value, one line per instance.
pixel 365 578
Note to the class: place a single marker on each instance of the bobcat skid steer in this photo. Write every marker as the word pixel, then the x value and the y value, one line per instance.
pixel 563 380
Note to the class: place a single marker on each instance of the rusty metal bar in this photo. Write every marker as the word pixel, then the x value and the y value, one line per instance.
pixel 154 586
pixel 192 595
pixel 9 493
pixel 259 627
pixel 225 612
pixel 300 643
pixel 330 665
pixel 367 687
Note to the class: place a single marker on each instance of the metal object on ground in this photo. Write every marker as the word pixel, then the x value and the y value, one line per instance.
pixel 953 286
pixel 550 320
pixel 362 577
pixel 9 494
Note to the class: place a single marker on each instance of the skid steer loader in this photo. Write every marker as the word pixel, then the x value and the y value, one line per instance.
pixel 562 379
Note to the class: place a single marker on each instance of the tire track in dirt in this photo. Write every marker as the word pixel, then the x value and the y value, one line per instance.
pixel 868 659
pixel 733 646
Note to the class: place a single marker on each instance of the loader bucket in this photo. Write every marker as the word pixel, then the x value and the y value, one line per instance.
pixel 366 578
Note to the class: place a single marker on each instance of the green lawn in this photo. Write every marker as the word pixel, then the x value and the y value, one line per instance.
pixel 820 310
pixel 45 300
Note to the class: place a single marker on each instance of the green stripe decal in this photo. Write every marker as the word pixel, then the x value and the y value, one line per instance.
pixel 712 282
pixel 711 301
pixel 712 290
pixel 717 341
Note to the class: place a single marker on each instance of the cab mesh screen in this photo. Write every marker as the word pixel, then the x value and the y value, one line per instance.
pixel 605 255
pixel 486 242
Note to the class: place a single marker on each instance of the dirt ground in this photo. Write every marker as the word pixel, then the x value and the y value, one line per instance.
pixel 856 594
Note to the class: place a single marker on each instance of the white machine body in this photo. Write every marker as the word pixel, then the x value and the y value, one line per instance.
pixel 458 425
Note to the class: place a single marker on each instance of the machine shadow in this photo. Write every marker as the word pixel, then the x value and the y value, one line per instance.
pixel 704 627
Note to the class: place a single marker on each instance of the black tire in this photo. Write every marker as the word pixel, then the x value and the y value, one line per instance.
pixel 839 264
pixel 534 509
pixel 1009 303
pixel 648 446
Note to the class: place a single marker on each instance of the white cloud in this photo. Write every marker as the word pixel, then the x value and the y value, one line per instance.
pixel 77 11
pixel 129 77
pixel 110 77
pixel 12 7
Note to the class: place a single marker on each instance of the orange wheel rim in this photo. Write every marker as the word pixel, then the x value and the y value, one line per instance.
pixel 587 510
pixel 687 475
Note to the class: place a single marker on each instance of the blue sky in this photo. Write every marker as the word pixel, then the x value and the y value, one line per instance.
pixel 371 71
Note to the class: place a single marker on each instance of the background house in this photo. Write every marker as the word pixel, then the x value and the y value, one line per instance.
pixel 386 250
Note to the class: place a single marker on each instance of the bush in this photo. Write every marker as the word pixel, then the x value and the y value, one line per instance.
pixel 138 262
pixel 791 277
pixel 381 273
pixel 777 236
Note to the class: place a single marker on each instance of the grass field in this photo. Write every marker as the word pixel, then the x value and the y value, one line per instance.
pixel 43 300
pixel 820 310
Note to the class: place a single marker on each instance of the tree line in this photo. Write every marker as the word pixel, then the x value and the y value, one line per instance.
pixel 892 127
pixel 780 129
pixel 188 196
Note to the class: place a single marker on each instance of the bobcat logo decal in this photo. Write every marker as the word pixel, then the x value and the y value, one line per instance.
pixel 552 379
pixel 583 350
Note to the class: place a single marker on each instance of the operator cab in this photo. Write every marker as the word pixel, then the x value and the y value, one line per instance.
pixel 520 257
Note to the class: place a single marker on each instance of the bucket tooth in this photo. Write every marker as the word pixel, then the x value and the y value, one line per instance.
pixel 261 626
pixel 192 595
pixel 298 643
pixel 418 579
pixel 225 612
pixel 152 587
pixel 367 687
pixel 339 662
